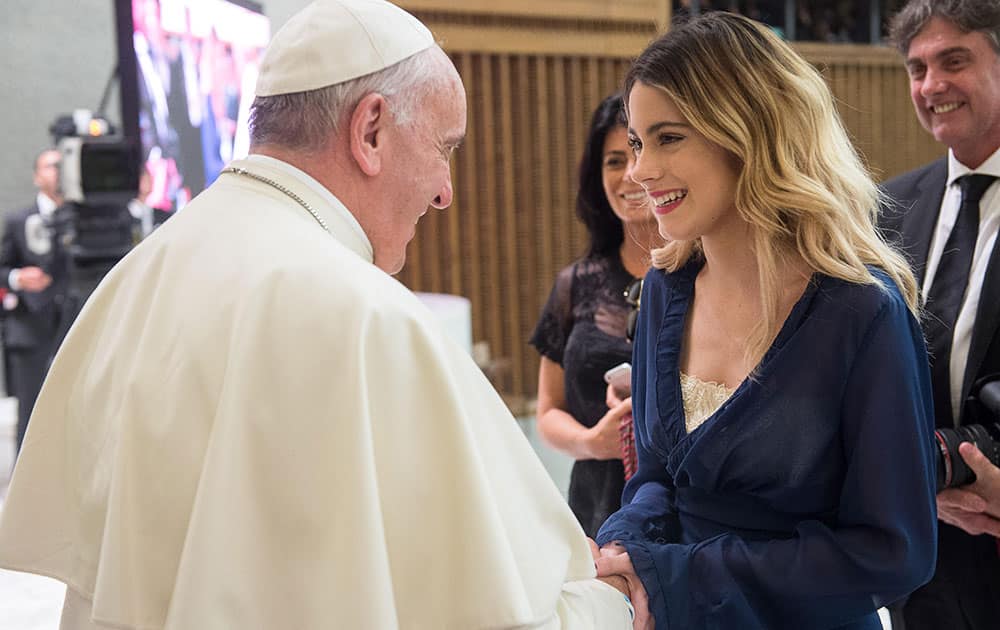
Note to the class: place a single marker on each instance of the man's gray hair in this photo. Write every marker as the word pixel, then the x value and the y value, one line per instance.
pixel 967 15
pixel 306 121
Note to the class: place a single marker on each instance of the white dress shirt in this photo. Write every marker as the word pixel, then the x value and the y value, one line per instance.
pixel 989 222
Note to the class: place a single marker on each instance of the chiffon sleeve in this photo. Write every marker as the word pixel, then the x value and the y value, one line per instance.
pixel 556 320
pixel 645 514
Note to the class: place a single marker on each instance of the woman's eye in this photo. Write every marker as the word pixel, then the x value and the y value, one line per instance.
pixel 669 138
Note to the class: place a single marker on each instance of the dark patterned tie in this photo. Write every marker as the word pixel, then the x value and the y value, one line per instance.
pixel 944 299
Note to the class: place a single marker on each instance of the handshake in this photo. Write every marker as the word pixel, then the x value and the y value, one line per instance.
pixel 614 567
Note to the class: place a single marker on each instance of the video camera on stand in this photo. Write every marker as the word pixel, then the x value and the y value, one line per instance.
pixel 93 229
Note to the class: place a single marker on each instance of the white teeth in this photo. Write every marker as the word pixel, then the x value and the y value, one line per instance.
pixel 944 109
pixel 670 197
pixel 638 196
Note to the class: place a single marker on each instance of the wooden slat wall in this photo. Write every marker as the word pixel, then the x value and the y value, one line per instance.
pixel 534 73
pixel 872 91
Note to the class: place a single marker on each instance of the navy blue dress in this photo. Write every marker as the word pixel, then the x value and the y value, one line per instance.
pixel 807 500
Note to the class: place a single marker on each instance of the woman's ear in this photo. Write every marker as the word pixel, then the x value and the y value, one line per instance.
pixel 367 133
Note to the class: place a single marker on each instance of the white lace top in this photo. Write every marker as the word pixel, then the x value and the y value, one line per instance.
pixel 701 399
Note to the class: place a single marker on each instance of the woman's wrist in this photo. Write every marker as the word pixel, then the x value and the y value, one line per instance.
pixel 585 443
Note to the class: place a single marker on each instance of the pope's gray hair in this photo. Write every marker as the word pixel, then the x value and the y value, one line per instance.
pixel 305 121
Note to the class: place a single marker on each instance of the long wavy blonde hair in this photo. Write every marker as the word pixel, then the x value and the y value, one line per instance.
pixel 802 186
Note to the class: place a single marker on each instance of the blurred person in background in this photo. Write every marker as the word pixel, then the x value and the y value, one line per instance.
pixel 36 276
pixel 582 329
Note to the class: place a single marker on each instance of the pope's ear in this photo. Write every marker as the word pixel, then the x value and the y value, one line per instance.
pixel 367 131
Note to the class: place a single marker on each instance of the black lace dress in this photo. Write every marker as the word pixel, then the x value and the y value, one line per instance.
pixel 582 328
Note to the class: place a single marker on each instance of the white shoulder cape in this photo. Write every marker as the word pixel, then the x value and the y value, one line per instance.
pixel 251 426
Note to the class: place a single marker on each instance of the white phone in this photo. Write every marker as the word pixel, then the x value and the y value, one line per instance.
pixel 620 378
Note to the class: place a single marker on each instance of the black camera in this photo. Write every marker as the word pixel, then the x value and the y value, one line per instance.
pixel 952 471
pixel 93 229
pixel 98 171
pixel 98 177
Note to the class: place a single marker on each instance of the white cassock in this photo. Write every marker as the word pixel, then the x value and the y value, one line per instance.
pixel 251 426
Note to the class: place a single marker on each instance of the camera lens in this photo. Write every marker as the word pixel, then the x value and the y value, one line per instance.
pixel 952 471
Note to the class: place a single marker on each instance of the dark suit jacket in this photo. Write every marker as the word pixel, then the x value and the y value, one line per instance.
pixel 910 223
pixel 36 317
pixel 965 590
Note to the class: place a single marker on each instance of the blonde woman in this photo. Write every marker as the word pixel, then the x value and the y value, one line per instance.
pixel 783 412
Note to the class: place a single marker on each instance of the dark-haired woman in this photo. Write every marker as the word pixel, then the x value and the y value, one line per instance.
pixel 581 332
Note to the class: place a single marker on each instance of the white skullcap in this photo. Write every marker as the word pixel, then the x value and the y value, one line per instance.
pixel 333 41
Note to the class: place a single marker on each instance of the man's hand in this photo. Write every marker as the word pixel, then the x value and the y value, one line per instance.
pixel 613 561
pixel 33 279
pixel 974 508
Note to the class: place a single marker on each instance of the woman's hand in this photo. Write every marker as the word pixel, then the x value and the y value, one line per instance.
pixel 611 397
pixel 602 441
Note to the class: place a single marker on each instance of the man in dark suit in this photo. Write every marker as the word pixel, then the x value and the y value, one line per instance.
pixel 946 218
pixel 31 271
